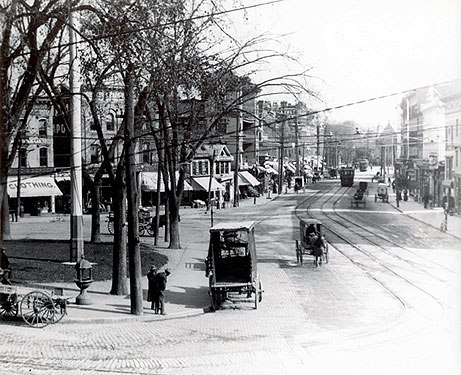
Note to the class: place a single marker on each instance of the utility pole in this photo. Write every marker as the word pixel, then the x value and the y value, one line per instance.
pixel 134 253
pixel 237 152
pixel 281 155
pixel 297 144
pixel 157 205
pixel 318 142
pixel 18 188
pixel 210 204
pixel 76 220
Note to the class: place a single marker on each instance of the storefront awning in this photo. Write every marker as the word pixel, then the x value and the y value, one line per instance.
pixel 248 178
pixel 203 183
pixel 271 170
pixel 39 186
pixel 149 182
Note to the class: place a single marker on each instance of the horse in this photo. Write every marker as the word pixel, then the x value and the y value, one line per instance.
pixel 318 250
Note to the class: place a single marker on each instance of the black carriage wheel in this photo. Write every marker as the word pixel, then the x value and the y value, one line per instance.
pixel 212 293
pixel 297 251
pixel 37 309
pixel 260 297
pixel 141 229
pixel 8 309
pixel 256 292
pixel 150 229
pixel 213 300
pixel 110 227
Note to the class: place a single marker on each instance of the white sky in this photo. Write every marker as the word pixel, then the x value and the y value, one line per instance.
pixel 362 49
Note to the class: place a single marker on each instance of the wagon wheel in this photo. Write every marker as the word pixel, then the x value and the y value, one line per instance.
pixel 150 229
pixel 213 297
pixel 256 292
pixel 141 229
pixel 110 227
pixel 8 309
pixel 60 309
pixel 37 309
pixel 213 300
pixel 260 296
pixel 298 251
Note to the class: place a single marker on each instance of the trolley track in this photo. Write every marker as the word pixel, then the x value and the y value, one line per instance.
pixel 366 253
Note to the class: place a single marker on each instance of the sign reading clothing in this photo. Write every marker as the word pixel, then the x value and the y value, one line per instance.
pixel 42 186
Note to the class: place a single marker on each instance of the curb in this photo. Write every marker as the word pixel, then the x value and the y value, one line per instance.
pixel 424 222
pixel 136 318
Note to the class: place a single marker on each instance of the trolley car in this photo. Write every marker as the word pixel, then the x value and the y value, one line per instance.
pixel 347 176
pixel 363 165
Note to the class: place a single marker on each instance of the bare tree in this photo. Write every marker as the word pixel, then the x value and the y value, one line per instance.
pixel 198 74
pixel 29 31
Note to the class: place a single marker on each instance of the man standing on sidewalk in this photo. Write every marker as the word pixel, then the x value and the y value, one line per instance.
pixel 160 283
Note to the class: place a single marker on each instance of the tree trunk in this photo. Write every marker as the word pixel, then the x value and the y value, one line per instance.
pixel 5 218
pixel 96 213
pixel 174 221
pixel 119 265
pixel 134 253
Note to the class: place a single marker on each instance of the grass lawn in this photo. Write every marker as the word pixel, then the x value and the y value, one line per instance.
pixel 39 261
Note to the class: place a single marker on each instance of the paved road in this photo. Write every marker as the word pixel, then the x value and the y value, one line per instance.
pixel 326 320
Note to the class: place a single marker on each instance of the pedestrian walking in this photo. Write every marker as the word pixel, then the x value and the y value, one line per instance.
pixel 152 293
pixel 161 279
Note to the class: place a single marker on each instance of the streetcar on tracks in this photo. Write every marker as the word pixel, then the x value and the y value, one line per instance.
pixel 232 263
pixel 311 242
pixel 363 165
pixel 346 175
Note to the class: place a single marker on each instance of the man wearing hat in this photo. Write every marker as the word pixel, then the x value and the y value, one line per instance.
pixel 152 293
pixel 160 281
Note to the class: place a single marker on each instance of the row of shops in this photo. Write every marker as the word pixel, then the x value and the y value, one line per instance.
pixel 424 180
pixel 52 194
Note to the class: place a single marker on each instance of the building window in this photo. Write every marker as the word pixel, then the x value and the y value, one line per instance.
pixel 43 157
pixel 146 153
pixel 42 128
pixel 110 122
pixel 200 168
pixel 23 157
pixel 92 125
pixel 94 154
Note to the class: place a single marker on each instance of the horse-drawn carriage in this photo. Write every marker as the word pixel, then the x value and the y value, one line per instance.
pixel 382 193
pixel 38 308
pixel 312 242
pixel 359 197
pixel 231 265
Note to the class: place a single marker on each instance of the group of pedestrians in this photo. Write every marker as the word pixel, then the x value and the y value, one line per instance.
pixel 156 289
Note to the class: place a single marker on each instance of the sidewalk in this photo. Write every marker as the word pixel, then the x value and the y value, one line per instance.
pixel 187 288
pixel 429 216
